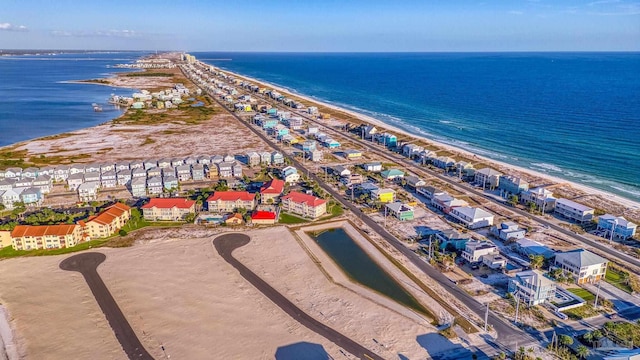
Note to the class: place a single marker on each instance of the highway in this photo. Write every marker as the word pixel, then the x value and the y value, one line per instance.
pixel 508 335
pixel 225 244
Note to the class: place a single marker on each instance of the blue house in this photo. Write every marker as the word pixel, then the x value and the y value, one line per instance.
pixel 389 140
pixel 331 144
pixel 269 123
pixel 31 196
pixel 454 238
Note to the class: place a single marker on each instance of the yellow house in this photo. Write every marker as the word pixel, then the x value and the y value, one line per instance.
pixel 5 239
pixel 384 195
pixel 107 222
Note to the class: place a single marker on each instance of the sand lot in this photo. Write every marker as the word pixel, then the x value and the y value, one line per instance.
pixel 176 291
pixel 220 135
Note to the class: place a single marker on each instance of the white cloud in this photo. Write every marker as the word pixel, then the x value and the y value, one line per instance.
pixel 11 27
pixel 99 33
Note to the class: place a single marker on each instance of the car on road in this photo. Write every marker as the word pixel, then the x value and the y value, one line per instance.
pixel 562 316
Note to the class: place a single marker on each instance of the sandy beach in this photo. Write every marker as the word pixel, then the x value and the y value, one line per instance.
pixel 176 291
pixel 536 177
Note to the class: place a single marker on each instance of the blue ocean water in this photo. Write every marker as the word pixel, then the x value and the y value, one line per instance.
pixel 35 101
pixel 571 115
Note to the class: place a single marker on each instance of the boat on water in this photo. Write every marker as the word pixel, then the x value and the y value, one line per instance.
pixel 96 107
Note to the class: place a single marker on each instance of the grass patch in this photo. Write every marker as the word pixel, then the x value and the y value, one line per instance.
pixel 628 332
pixel 584 294
pixel 335 210
pixel 291 219
pixel 583 312
pixel 616 278
pixel 9 252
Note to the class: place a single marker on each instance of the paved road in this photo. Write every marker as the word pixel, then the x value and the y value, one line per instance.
pixel 87 265
pixel 508 335
pixel 225 244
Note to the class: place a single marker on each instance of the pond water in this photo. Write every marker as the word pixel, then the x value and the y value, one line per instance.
pixel 361 268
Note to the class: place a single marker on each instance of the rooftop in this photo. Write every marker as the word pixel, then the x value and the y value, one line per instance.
pixel 299 197
pixel 581 257
pixel 168 203
pixel 42 230
pixel 231 196
pixel 573 204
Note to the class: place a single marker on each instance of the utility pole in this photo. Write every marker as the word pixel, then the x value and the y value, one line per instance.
pixel 486 318
pixel 595 305
pixel 515 320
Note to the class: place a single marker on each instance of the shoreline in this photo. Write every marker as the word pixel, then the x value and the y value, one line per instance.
pixel 630 203
pixel 8 348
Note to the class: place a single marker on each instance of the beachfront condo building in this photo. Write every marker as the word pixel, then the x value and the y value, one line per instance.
pixel 107 222
pixel 230 201
pixel 303 204
pixel 28 237
pixel 168 209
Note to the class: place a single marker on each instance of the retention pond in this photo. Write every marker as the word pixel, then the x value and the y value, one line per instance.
pixel 361 268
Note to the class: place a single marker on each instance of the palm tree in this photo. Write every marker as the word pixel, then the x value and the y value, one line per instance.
pixel 582 351
pixel 565 340
pixel 588 337
pixel 536 261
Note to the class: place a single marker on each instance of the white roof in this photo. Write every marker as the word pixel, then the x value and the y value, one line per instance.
pixel 534 277
pixel 620 220
pixel 573 204
pixel 489 172
pixel 474 213
pixel 581 257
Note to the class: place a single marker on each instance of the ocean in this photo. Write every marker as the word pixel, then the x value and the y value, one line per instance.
pixel 571 115
pixel 36 101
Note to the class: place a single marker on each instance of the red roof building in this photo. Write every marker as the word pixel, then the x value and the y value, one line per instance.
pixel 168 209
pixel 271 191
pixel 304 204
pixel 229 201
pixel 263 217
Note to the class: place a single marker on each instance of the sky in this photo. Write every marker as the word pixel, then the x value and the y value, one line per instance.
pixel 322 25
